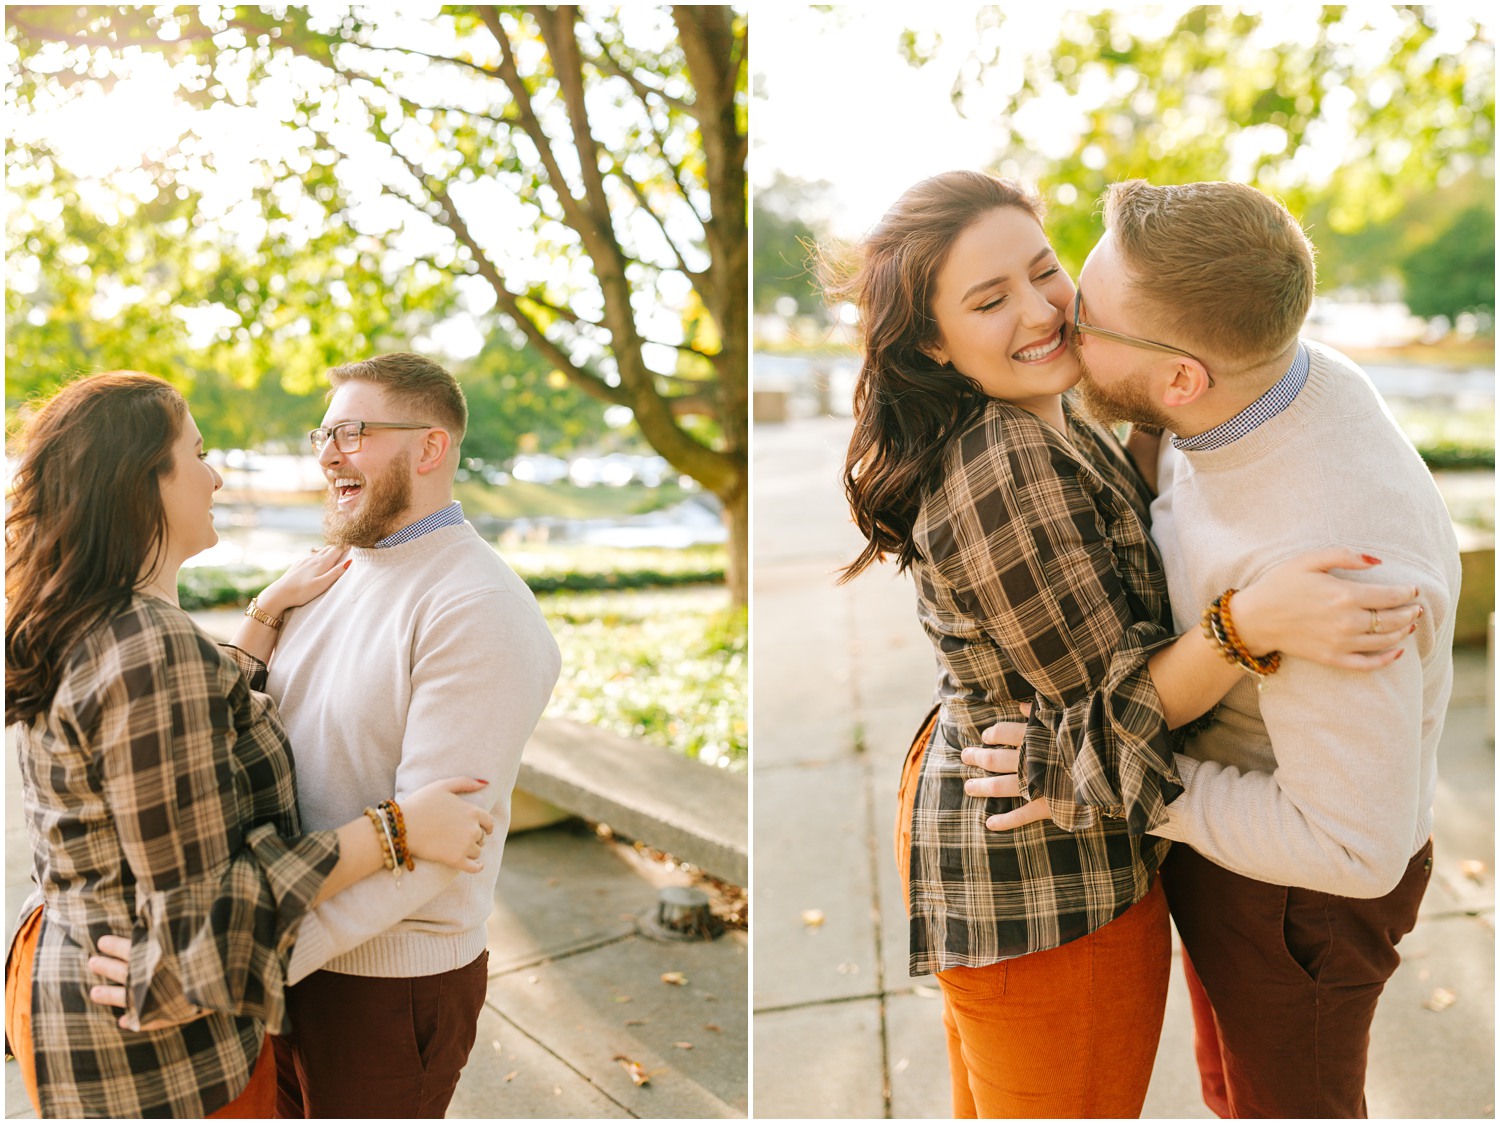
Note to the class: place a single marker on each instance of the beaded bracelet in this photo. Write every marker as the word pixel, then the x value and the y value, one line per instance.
pixel 384 808
pixel 1218 626
pixel 383 836
pixel 398 825
pixel 395 867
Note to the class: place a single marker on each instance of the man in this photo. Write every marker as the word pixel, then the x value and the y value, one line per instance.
pixel 1307 807
pixel 428 658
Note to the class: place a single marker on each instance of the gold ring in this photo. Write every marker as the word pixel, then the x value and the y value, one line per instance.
pixel 1374 620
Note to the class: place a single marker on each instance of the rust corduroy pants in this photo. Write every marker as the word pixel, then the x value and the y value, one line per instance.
pixel 1068 1032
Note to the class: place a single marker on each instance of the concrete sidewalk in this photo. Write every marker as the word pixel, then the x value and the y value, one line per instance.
pixel 572 985
pixel 842 676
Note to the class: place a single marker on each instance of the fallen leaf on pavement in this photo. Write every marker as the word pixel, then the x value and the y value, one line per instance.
pixel 1440 1000
pixel 636 1022
pixel 511 1076
pixel 812 918
pixel 1473 868
pixel 677 979
pixel 715 1027
pixel 622 999
pixel 683 1045
pixel 637 1071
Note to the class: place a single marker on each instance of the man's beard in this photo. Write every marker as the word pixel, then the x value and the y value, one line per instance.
pixel 384 498
pixel 1126 401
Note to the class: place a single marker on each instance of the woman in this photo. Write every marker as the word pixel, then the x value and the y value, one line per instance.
pixel 158 784
pixel 1025 529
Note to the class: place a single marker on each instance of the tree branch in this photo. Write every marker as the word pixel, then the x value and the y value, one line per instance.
pixel 639 193
pixel 607 61
pixel 487 71
pixel 564 313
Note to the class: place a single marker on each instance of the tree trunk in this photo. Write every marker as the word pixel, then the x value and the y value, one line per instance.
pixel 737 522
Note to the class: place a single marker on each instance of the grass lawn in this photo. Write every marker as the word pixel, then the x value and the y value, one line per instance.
pixel 669 666
pixel 519 499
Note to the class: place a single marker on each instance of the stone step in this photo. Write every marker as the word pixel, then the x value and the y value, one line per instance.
pixel 694 812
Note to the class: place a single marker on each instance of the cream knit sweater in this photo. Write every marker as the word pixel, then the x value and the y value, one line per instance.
pixel 426 660
pixel 1325 779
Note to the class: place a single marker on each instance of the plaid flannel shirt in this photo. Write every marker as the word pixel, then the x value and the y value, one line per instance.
pixel 160 798
pixel 1038 582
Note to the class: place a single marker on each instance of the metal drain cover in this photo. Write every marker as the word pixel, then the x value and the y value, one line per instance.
pixel 681 914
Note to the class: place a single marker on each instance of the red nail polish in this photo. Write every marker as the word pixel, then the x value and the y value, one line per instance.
pixel 348 564
pixel 1371 559
pixel 1400 652
pixel 1412 629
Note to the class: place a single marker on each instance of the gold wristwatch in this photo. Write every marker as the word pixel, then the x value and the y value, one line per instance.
pixel 256 613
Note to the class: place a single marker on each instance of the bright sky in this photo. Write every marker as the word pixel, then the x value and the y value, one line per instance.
pixel 836 101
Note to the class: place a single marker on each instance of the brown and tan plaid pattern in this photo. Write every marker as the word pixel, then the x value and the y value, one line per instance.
pixel 1038 582
pixel 161 804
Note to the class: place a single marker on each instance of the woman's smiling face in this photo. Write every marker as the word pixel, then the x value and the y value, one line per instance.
pixel 1001 306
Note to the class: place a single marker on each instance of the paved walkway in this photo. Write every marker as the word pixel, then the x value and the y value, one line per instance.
pixel 842 675
pixel 572 985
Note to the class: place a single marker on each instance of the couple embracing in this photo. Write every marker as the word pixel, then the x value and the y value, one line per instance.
pixel 188 869
pixel 1153 692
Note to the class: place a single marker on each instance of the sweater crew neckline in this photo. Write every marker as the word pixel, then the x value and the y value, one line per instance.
pixel 1266 437
pixel 387 555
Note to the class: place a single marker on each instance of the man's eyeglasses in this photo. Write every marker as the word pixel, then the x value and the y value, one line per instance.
pixel 347 436
pixel 1079 327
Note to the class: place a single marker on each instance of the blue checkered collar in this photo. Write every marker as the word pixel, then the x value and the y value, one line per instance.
pixel 449 516
pixel 1262 410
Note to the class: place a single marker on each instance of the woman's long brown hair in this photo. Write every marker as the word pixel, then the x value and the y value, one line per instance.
pixel 907 405
pixel 86 515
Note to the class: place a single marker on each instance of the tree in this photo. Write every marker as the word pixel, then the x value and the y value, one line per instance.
pixel 790 219
pixel 1216 94
pixel 1455 273
pixel 519 404
pixel 586 167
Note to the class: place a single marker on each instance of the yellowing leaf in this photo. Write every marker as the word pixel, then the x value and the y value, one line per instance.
pixel 676 979
pixel 1440 1000
pixel 637 1071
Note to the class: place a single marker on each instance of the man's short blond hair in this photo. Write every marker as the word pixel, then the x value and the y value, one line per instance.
pixel 1223 268
pixel 427 388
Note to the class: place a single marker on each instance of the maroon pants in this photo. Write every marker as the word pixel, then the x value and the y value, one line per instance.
pixel 366 1046
pixel 1284 983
